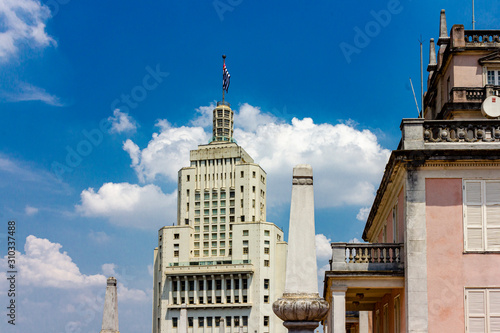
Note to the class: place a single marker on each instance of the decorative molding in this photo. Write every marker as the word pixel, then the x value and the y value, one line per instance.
pixel 301 308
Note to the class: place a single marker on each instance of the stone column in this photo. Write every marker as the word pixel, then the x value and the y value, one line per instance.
pixel 110 313
pixel 170 287
pixel 301 308
pixel 232 288
pixel 213 289
pixel 364 321
pixel 337 319
pixel 205 289
pixel 240 288
pixel 223 289
pixel 195 289
pixel 222 327
pixel 186 290
pixel 178 281
pixel 183 324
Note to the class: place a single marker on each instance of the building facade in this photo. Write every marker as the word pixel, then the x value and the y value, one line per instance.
pixel 222 261
pixel 432 261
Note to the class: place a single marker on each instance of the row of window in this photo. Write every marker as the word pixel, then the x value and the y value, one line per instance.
pixel 181 285
pixel 210 300
pixel 210 321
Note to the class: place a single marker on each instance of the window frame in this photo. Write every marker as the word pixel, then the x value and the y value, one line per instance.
pixel 487 306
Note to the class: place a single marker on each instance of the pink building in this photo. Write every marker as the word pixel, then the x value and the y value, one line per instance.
pixel 432 261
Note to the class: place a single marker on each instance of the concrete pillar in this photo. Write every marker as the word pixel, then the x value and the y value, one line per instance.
pixel 178 281
pixel 213 288
pixel 338 309
pixel 365 322
pixel 186 289
pixel 195 291
pixel 222 326
pixel 240 294
pixel 110 313
pixel 205 289
pixel 223 289
pixel 183 325
pixel 232 288
pixel 301 308
pixel 170 287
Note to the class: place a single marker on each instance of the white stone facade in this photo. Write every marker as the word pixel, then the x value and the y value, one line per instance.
pixel 221 259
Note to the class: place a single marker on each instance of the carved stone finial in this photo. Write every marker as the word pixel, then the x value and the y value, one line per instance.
pixel 443 30
pixel 432 57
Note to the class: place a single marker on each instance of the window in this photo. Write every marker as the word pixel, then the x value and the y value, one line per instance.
pixel 201 321
pixel 209 284
pixel 245 232
pixel 188 178
pixel 209 299
pixel 218 284
pixel 191 300
pixel 228 284
pixel 494 77
pixel 253 174
pixel 245 320
pixel 245 298
pixel 218 299
pixel 482 215
pixel 236 321
pixel 200 286
pixel 176 236
pixel 206 196
pixel 228 321
pixel 245 250
pixel 266 283
pixel 228 299
pixel 266 250
pixel 266 298
pixel 266 321
pixel 266 263
pixel 244 282
pixel 174 321
pixel 209 321
pixel 266 232
pixel 253 189
pixel 176 253
pixel 242 174
pixel 482 310
pixel 174 300
pixel 197 196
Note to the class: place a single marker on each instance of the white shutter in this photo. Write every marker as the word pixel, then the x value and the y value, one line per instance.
pixel 474 235
pixel 494 310
pixel 476 311
pixel 492 201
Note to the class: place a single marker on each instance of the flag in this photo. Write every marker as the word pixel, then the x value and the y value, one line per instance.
pixel 225 78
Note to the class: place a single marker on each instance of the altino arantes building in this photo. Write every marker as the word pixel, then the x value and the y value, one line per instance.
pixel 222 261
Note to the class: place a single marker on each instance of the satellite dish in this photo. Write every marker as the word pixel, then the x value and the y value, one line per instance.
pixel 491 107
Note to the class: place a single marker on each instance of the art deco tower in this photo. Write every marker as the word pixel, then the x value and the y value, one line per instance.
pixel 222 259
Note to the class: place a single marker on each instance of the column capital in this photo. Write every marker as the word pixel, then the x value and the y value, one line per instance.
pixel 338 288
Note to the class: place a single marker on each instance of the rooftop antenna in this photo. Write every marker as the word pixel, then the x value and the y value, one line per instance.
pixel 414 96
pixel 421 77
pixel 473 18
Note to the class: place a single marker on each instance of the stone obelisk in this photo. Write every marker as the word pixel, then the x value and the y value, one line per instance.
pixel 301 308
pixel 110 313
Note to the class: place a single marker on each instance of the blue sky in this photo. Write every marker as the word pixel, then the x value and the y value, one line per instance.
pixel 101 101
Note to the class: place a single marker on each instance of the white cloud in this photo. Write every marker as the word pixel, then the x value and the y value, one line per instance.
pixel 363 214
pixel 323 247
pixel 347 162
pixel 30 210
pixel 204 117
pixel 108 270
pixel 122 122
pixel 44 265
pixel 99 236
pixel 130 205
pixel 166 153
pixel 250 118
pixel 23 23
pixel 135 295
pixel 355 240
pixel 28 92
pixel 150 270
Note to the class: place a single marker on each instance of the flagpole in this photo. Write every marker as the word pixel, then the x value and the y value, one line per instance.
pixel 223 63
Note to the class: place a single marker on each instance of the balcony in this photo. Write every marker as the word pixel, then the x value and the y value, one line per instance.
pixel 482 38
pixel 472 94
pixel 365 257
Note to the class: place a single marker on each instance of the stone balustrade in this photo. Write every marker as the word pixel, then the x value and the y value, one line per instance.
pixel 367 257
pixel 461 131
pixel 482 37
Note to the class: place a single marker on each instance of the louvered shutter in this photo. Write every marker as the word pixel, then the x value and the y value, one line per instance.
pixel 476 311
pixel 494 310
pixel 474 215
pixel 492 213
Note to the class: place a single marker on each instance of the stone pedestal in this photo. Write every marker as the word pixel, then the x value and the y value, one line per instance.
pixel 301 308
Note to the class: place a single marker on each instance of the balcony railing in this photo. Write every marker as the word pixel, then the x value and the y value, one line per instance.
pixel 367 257
pixel 210 263
pixel 481 37
pixel 462 131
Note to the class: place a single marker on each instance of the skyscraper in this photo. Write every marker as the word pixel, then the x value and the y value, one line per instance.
pixel 222 259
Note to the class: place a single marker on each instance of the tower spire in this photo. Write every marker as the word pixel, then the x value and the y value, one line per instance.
pixel 222 114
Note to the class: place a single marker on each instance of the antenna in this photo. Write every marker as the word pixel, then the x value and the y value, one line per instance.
pixel 414 96
pixel 421 76
pixel 473 18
